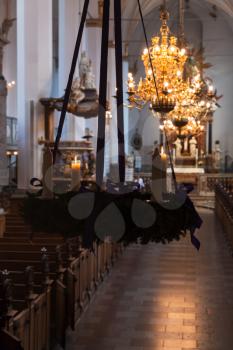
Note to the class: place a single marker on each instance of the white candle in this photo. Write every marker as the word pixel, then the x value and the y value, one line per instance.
pixel 164 170
pixel 174 153
pixel 75 174
pixel 197 157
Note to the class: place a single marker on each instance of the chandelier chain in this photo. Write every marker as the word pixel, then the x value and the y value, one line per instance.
pixel 181 21
pixel 148 48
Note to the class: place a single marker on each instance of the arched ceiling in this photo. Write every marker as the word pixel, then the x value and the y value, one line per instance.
pixel 130 10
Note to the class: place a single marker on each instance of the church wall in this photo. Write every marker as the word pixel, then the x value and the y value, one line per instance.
pixel 34 72
pixel 219 51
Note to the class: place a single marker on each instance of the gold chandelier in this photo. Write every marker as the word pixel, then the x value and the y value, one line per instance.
pixel 168 62
pixel 183 102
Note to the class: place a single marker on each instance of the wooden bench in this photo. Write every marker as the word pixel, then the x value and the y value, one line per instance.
pixel 59 292
pixel 36 311
pixel 224 210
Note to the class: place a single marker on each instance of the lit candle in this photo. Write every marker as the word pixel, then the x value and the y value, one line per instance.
pixel 163 155
pixel 174 153
pixel 75 174
pixel 163 170
pixel 159 175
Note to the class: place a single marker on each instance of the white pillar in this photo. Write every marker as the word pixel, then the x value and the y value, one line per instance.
pixel 112 100
pixel 69 19
pixel 93 47
pixel 34 80
pixel 126 109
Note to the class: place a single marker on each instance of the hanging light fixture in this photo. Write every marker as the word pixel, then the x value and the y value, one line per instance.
pixel 196 101
pixel 167 61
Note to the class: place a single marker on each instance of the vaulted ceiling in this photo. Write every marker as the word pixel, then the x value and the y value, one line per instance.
pixel 130 10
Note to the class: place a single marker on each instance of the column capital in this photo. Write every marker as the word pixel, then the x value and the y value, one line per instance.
pixel 111 45
pixel 94 23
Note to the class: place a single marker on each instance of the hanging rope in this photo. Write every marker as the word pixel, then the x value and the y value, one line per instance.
pixel 119 86
pixel 70 80
pixel 181 21
pixel 156 88
pixel 102 95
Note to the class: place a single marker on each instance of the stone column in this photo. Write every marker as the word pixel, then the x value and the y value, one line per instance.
pixel 4 176
pixel 3 160
pixel 126 109
pixel 111 93
pixel 210 136
pixel 34 80
pixel 93 34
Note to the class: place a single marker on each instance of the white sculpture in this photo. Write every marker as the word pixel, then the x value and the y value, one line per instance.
pixel 87 79
pixel 193 147
pixel 178 148
pixel 76 94
pixel 217 155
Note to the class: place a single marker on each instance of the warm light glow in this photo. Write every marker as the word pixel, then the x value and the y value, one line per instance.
pixel 149 72
pixel 182 98
pixel 76 164
pixel 163 154
pixel 11 84
pixel 183 52
pixel 168 62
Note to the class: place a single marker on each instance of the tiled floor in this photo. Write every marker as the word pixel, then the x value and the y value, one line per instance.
pixel 164 297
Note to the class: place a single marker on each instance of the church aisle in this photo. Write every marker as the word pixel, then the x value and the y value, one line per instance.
pixel 164 297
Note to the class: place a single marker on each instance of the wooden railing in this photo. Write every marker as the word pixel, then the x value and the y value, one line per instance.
pixel 224 208
pixel 208 182
pixel 205 182
pixel 36 312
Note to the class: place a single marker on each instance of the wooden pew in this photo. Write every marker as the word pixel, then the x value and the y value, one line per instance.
pixel 224 209
pixel 9 342
pixel 32 321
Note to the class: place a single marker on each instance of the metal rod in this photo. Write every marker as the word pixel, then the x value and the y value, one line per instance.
pixel 181 21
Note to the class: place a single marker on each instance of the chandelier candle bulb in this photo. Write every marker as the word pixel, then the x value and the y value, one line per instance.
pixel 75 174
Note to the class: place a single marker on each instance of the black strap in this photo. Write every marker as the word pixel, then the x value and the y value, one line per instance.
pixel 171 162
pixel 70 80
pixel 102 95
pixel 157 93
pixel 119 86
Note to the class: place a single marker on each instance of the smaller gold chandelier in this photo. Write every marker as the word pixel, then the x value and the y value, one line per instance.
pixel 166 60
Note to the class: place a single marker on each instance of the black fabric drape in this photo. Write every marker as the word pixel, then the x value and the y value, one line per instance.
pixel 102 95
pixel 70 80
pixel 119 86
